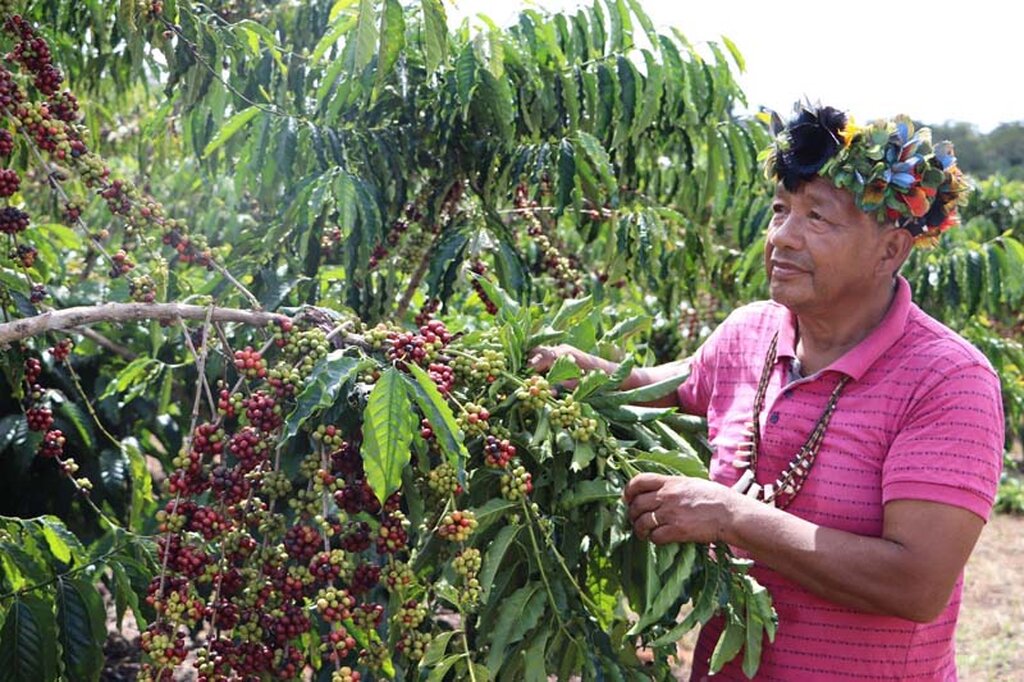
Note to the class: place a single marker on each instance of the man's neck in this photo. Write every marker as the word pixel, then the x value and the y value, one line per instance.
pixel 823 339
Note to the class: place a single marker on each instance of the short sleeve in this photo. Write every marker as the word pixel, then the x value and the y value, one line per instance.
pixel 695 393
pixel 950 447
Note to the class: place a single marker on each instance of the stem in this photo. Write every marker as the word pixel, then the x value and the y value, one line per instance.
pixel 417 277
pixel 469 657
pixel 104 342
pixel 83 316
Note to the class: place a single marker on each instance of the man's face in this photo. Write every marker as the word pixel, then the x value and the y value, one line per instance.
pixel 822 252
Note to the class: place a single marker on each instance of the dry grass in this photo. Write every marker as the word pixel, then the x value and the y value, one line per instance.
pixel 990 635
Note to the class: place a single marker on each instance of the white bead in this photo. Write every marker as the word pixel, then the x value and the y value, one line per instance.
pixel 754 490
pixel 741 463
pixel 769 492
pixel 744 481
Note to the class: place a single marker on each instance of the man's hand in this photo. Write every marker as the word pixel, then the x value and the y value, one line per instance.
pixel 541 358
pixel 667 509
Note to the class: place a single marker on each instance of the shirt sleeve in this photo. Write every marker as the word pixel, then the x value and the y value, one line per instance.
pixel 950 447
pixel 695 393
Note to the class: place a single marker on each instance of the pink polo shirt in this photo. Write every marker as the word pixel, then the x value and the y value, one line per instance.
pixel 921 419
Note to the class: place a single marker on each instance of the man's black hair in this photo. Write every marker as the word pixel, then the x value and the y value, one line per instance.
pixel 813 139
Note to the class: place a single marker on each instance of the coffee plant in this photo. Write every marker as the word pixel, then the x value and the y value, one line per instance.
pixel 270 274
pixel 291 431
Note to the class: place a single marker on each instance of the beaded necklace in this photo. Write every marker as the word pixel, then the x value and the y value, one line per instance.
pixel 782 492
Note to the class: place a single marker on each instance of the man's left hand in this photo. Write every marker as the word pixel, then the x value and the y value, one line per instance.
pixel 667 509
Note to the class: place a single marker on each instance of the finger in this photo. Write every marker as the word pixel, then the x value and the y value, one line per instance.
pixel 645 524
pixel 641 504
pixel 664 534
pixel 642 483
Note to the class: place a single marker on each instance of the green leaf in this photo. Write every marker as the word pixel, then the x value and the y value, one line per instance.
pixel 437 411
pixel 321 389
pixel 737 56
pixel 435 34
pixel 534 656
pixel 438 673
pixel 388 422
pixel 366 36
pixel 73 413
pixel 392 40
pixel 62 543
pixel 753 644
pixel 642 394
pixel 340 25
pixel 520 612
pixel 566 175
pixel 228 130
pixel 592 490
pixel 730 641
pixel 670 591
pixel 572 311
pixel 496 551
pixel 81 628
pixel 563 369
pixel 137 374
pixel 125 596
pixel 582 455
pixel 28 642
pixel 142 482
pixel 675 463
pixel 633 414
pixel 466 76
pixel 591 382
pixel 436 649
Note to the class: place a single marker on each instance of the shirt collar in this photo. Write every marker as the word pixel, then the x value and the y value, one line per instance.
pixel 856 361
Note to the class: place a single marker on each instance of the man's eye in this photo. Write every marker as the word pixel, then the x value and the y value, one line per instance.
pixel 814 215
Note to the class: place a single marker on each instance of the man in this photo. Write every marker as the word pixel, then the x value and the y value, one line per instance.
pixel 857 441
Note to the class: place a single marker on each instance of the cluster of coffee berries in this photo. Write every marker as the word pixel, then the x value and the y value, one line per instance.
pixel 517 483
pixel 566 412
pixel 457 526
pixel 535 392
pixel 479 268
pixel 443 481
pixel 9 182
pixel 473 419
pixel 484 364
pixel 61 350
pixel 585 429
pixel 498 452
pixel 25 254
pixel 467 565
pixel 13 220
pixel 250 363
pixel 563 270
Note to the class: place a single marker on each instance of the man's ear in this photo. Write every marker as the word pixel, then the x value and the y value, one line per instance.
pixel 896 245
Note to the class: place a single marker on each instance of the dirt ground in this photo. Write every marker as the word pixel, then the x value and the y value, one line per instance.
pixel 990 635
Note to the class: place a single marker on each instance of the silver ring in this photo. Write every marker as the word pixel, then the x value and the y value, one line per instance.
pixel 655 520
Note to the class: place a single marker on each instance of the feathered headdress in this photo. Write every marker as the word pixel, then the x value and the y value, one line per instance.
pixel 893 171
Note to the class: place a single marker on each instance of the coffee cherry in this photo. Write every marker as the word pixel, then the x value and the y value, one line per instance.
pixel 517 484
pixel 473 419
pixel 467 562
pixel 498 453
pixel 6 142
pixel 13 220
pixel 337 644
pixel 364 578
pixel 25 254
pixel 346 674
pixel 62 350
pixel 250 363
pixel 334 604
pixel 391 534
pixel 9 182
pixel 443 480
pixel 33 368
pixel 535 393
pixel 52 444
pixel 565 412
pixel 39 418
pixel 457 526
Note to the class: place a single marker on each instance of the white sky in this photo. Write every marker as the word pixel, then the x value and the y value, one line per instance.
pixel 935 60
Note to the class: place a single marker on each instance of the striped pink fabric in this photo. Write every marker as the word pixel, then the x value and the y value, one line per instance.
pixel 921 419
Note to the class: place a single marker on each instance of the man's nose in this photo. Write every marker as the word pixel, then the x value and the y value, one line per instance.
pixel 787 234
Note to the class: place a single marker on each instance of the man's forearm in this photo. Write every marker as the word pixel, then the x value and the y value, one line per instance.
pixel 871 574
